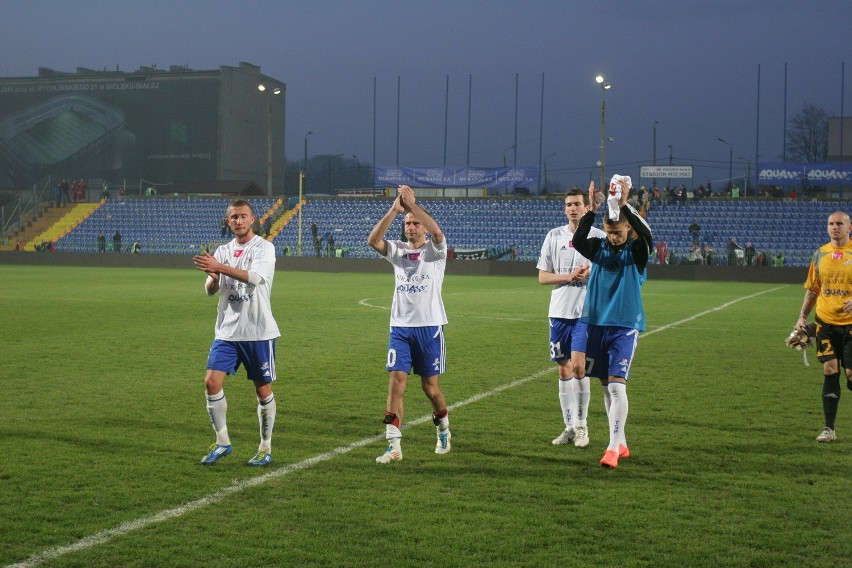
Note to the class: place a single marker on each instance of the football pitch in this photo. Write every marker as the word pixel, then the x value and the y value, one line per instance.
pixel 103 423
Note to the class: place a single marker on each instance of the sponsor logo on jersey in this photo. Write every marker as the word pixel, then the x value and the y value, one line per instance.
pixel 411 288
pixel 836 255
pixel 412 256
pixel 240 297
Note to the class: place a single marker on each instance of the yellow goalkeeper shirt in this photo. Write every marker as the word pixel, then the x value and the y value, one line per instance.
pixel 830 278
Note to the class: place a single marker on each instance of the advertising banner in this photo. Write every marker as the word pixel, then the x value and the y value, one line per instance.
pixel 504 179
pixel 674 172
pixel 831 173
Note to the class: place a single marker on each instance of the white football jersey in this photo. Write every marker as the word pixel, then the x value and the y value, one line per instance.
pixel 419 276
pixel 245 311
pixel 559 256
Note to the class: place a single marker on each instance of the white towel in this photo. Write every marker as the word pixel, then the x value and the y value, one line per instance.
pixel 615 195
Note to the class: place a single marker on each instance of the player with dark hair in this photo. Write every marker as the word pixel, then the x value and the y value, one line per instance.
pixel 829 288
pixel 241 271
pixel 417 316
pixel 613 308
pixel 561 266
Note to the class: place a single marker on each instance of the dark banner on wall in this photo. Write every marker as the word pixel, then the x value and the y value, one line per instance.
pixel 833 173
pixel 160 129
pixel 491 178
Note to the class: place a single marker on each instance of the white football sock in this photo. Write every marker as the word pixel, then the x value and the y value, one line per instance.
pixel 217 409
pixel 445 423
pixel 568 401
pixel 393 435
pixel 266 410
pixel 617 415
pixel 584 394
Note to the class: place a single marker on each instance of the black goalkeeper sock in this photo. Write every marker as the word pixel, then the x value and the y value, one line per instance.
pixel 830 398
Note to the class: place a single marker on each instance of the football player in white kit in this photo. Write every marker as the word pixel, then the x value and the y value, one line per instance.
pixel 241 271
pixel 417 316
pixel 561 266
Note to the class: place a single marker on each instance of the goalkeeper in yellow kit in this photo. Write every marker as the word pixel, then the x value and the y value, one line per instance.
pixel 829 288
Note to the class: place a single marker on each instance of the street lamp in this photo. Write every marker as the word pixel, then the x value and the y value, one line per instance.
pixel 730 161
pixel 504 154
pixel 545 171
pixel 275 91
pixel 604 88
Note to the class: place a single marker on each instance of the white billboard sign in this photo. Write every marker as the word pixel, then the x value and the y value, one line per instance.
pixel 665 172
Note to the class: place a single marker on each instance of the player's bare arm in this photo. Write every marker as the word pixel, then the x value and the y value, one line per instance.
pixel 807 305
pixel 409 201
pixel 596 198
pixel 208 263
pixel 376 239
pixel 578 275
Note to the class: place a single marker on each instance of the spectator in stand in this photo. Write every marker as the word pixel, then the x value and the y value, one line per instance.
pixel 318 245
pixel 733 247
pixel 330 240
pixel 104 190
pixel 223 227
pixel 57 195
pixel 66 191
pixel 74 190
pixel 662 249
pixel 749 254
pixel 101 243
pixel 84 187
pixel 116 241
pixel 695 233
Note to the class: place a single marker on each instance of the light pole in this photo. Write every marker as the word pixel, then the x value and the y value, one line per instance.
pixel 656 122
pixel 328 169
pixel 275 91
pixel 545 171
pixel 604 88
pixel 748 176
pixel 504 154
pixel 305 168
pixel 730 162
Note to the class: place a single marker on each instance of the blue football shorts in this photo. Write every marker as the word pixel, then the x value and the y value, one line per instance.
pixel 610 350
pixel 258 358
pixel 420 348
pixel 566 335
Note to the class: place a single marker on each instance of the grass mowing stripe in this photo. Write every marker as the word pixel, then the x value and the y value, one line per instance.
pixel 168 514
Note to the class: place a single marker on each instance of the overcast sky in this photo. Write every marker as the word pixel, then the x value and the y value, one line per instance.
pixel 690 65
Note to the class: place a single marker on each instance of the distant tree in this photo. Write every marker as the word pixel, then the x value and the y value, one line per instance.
pixel 807 135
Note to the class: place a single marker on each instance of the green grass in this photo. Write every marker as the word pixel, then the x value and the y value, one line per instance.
pixel 102 422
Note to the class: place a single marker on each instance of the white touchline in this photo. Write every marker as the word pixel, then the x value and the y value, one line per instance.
pixel 168 514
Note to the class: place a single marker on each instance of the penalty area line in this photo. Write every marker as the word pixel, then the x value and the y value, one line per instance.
pixel 107 535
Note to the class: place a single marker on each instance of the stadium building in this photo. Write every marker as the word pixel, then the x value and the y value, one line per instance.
pixel 152 127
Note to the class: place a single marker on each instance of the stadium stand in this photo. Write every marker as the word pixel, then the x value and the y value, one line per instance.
pixel 495 226
pixel 161 226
